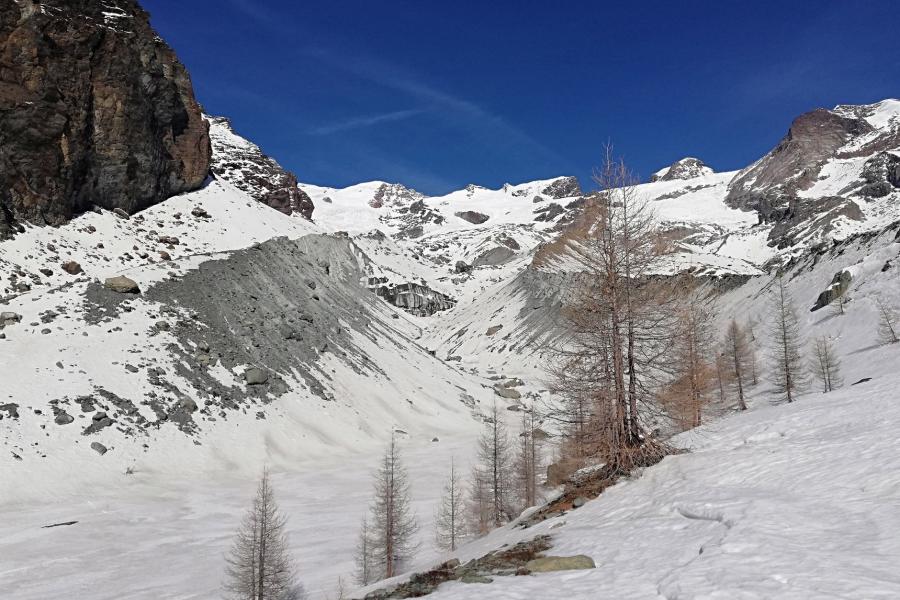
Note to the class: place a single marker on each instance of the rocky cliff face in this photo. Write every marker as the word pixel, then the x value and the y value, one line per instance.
pixel 95 109
pixel 244 165
pixel 829 165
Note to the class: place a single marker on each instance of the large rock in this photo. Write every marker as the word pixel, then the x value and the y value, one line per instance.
pixel 547 564
pixel 256 376
pixel 505 392
pixel 95 109
pixel 9 318
pixel 476 218
pixel 494 257
pixel 122 285
pixel 840 283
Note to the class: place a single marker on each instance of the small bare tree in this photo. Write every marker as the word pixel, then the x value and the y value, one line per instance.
pixel 390 530
pixel 694 367
pixel 826 365
pixel 259 566
pixel 788 372
pixel 494 468
pixel 450 528
pixel 365 559
pixel 527 461
pixel 740 361
pixel 887 322
pixel 479 510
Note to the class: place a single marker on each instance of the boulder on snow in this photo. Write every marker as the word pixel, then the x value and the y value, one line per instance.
pixel 256 376
pixel 122 285
pixel 71 267
pixel 493 257
pixel 547 564
pixel 840 283
pixel 505 392
pixel 9 318
pixel 63 418
pixel 98 448
pixel 476 218
pixel 462 267
pixel 493 329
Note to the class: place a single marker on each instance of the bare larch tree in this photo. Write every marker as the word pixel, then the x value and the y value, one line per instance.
pixel 391 525
pixel 826 364
pixel 788 372
pixel 618 327
pixel 527 461
pixel 259 566
pixel 449 522
pixel 365 560
pixel 887 322
pixel 693 361
pixel 741 363
pixel 494 469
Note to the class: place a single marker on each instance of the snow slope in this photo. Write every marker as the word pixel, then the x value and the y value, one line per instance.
pixel 794 501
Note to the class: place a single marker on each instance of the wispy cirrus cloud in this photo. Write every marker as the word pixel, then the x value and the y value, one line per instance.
pixel 489 128
pixel 366 121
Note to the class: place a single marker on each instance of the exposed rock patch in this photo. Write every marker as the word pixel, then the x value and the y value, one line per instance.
pixel 96 110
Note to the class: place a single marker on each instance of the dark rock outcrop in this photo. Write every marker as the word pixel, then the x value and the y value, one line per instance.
pixel 882 175
pixel 244 165
pixel 414 298
pixel 686 168
pixel 840 283
pixel 95 109
pixel 476 218
pixel 564 187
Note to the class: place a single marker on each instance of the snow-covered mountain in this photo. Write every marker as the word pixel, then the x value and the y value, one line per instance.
pixel 156 351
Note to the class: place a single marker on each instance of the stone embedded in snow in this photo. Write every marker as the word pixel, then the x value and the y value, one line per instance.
pixel 505 392
pixel 579 502
pixel 256 376
pixel 494 257
pixel 493 329
pixel 121 213
pixel 547 564
pixel 122 285
pixel 71 267
pixel 63 418
pixel 9 318
pixel 98 448
pixel 476 218
pixel 462 267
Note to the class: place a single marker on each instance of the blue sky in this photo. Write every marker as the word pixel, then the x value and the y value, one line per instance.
pixel 438 95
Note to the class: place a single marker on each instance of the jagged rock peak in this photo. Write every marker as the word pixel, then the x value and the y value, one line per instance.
pixel 243 164
pixel 686 168
pixel 95 109
pixel 394 194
